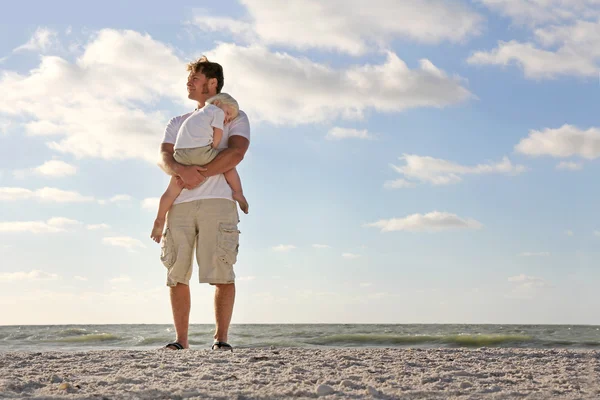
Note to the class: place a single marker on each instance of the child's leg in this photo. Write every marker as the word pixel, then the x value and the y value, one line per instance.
pixel 166 201
pixel 233 179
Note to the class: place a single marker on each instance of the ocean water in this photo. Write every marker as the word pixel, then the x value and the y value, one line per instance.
pixel 102 337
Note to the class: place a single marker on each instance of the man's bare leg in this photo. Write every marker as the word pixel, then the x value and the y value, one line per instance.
pixel 181 304
pixel 235 182
pixel 224 300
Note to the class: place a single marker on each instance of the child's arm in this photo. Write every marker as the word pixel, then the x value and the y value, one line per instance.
pixel 217 124
pixel 217 136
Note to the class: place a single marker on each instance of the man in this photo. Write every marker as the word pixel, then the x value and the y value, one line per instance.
pixel 205 216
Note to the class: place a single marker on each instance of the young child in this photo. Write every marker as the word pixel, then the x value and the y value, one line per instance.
pixel 196 144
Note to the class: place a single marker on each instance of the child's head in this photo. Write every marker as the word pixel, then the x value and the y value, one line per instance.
pixel 226 103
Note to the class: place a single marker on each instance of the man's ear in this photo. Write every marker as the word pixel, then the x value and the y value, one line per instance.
pixel 213 82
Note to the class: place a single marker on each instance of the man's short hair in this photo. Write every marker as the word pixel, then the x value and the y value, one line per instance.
pixel 209 69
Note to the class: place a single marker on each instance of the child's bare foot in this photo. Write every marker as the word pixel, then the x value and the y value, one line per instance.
pixel 243 203
pixel 157 230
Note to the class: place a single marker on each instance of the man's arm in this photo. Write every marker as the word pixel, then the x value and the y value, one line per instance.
pixel 228 158
pixel 191 175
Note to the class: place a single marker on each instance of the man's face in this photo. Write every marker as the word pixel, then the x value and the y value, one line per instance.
pixel 199 87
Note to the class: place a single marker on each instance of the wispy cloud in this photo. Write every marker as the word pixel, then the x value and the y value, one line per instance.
pixel 283 247
pixel 566 141
pixel 321 246
pixel 42 40
pixel 95 227
pixel 569 166
pixel 436 171
pixel 347 26
pixel 53 225
pixel 558 50
pixel 120 279
pixel 45 194
pixel 52 169
pixel 534 254
pixel 126 242
pixel 388 86
pixel 34 275
pixel 117 199
pixel 350 256
pixel 338 133
pixel 151 203
pixel 431 222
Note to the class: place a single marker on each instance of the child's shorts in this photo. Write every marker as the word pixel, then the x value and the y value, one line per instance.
pixel 196 155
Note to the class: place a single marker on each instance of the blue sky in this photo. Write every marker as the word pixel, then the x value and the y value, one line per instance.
pixel 423 162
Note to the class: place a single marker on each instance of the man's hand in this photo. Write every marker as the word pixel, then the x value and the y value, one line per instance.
pixel 191 176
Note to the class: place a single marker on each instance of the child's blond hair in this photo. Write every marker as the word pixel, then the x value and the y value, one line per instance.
pixel 225 98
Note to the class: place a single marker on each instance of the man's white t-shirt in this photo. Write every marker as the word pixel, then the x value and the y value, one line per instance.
pixel 215 187
pixel 197 130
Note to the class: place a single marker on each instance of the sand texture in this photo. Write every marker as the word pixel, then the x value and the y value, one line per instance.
pixel 494 373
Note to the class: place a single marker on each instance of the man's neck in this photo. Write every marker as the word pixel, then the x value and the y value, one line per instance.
pixel 200 104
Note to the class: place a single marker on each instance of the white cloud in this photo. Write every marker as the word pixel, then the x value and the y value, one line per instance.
pixel 119 198
pixel 283 247
pixel 321 246
pixel 4 126
pixel 533 12
pixel 566 141
pixel 302 91
pixel 34 275
pixel 436 171
pixel 399 184
pixel 95 227
pixel 14 193
pixel 53 225
pixel 123 241
pixel 366 284
pixel 97 107
pixel 80 278
pixel 245 278
pixel 151 203
pixel 121 279
pixel 43 39
pixel 526 286
pixel 350 256
pixel 348 26
pixel 533 254
pixel 55 168
pixel 45 194
pixel 569 166
pixel 558 50
pixel 338 133
pixel 99 100
pixel 431 222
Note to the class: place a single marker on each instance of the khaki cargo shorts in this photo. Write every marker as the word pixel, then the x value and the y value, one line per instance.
pixel 195 156
pixel 209 226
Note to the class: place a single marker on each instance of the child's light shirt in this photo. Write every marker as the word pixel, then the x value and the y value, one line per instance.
pixel 197 130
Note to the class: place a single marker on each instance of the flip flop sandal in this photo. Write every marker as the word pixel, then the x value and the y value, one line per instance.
pixel 221 346
pixel 178 346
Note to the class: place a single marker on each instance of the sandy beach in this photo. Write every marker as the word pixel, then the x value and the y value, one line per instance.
pixel 263 373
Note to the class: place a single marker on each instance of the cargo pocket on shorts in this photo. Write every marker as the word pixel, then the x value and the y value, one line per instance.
pixel 168 254
pixel 228 242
